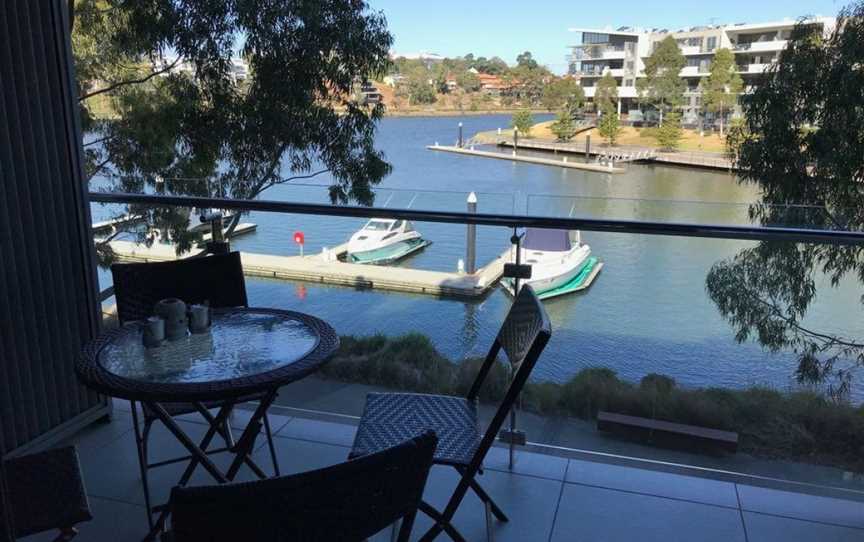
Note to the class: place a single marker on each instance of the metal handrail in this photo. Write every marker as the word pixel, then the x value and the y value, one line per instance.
pixel 748 233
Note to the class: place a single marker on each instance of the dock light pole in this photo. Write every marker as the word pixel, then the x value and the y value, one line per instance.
pixel 515 140
pixel 588 148
pixel 461 140
pixel 471 241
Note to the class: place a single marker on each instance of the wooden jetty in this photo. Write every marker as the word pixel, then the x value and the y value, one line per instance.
pixel 626 153
pixel 325 268
pixel 597 168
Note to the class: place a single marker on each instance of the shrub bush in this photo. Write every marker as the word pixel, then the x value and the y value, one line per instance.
pixel 800 426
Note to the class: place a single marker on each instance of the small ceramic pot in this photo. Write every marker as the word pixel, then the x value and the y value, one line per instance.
pixel 173 311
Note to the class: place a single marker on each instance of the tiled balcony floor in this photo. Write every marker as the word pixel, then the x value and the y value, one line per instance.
pixel 548 498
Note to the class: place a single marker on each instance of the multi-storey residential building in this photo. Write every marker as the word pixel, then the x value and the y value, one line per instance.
pixel 622 53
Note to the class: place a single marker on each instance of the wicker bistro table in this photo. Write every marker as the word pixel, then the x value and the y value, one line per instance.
pixel 248 352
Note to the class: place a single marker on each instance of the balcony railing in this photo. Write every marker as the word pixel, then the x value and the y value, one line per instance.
pixel 647 246
pixel 753 233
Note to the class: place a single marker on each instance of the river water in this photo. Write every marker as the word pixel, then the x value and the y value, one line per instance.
pixel 646 313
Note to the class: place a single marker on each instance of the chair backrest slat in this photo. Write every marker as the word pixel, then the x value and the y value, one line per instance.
pixel 525 323
pixel 522 338
pixel 216 279
pixel 349 501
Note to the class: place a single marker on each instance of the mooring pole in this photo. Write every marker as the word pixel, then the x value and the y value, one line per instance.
pixel 515 140
pixel 461 140
pixel 588 148
pixel 471 241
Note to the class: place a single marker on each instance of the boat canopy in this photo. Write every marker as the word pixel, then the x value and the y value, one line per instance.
pixel 547 240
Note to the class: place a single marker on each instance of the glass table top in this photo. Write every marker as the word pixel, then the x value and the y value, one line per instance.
pixel 238 344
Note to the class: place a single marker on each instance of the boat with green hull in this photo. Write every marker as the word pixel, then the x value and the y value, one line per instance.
pixel 560 263
pixel 383 241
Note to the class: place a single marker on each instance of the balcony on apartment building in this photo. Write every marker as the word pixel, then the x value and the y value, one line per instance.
pixel 761 46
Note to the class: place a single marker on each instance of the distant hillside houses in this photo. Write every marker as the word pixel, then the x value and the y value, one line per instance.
pixel 492 84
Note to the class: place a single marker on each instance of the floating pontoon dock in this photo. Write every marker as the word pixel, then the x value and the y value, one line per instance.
pixel 327 269
pixel 564 163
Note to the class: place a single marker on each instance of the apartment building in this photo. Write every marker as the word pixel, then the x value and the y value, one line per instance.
pixel 622 53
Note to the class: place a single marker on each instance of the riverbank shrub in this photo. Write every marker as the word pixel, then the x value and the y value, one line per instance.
pixel 523 121
pixel 798 426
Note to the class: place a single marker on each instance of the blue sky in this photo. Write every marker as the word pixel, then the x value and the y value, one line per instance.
pixel 507 27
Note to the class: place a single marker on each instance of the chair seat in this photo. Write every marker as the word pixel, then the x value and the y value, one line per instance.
pixel 47 491
pixel 392 418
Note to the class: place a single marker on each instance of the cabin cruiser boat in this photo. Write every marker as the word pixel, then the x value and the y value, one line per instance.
pixel 200 223
pixel 560 263
pixel 384 240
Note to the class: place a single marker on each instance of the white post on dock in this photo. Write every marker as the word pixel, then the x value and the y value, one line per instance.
pixel 471 241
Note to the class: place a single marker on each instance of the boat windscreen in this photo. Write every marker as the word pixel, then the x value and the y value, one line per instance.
pixel 547 240
pixel 378 225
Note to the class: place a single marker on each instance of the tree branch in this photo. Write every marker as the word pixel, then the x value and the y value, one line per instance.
pixel 97 141
pixel 119 84
pixel 825 338
pixel 96 170
pixel 276 182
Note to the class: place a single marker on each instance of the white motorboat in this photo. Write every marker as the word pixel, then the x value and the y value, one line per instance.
pixel 384 240
pixel 559 262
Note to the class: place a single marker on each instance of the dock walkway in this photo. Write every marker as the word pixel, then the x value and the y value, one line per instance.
pixel 326 269
pixel 704 159
pixel 597 168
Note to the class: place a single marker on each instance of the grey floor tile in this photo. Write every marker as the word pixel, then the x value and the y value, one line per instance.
pixel 606 515
pixel 301 455
pixel 112 521
pixel 239 420
pixel 112 471
pixel 649 482
pixel 319 431
pixel 765 528
pixel 802 506
pixel 528 463
pixel 99 434
pixel 528 501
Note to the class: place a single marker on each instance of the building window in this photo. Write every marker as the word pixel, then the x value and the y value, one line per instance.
pixel 592 37
pixel 712 43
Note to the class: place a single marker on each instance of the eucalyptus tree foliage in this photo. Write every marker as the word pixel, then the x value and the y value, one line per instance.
pixel 663 87
pixel 802 143
pixel 164 111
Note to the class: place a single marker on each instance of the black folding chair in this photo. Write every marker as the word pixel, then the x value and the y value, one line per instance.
pixel 215 280
pixel 7 528
pixel 390 417
pixel 42 492
pixel 347 502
